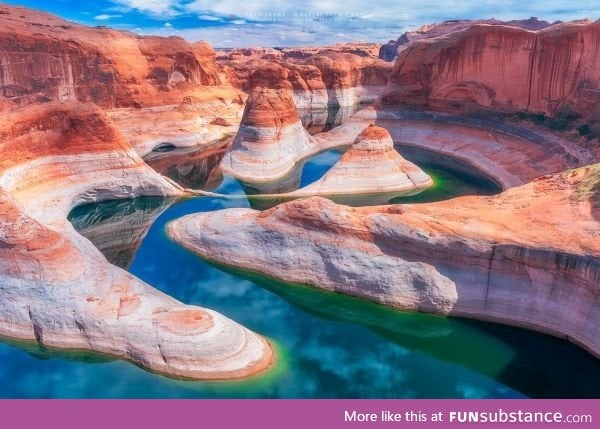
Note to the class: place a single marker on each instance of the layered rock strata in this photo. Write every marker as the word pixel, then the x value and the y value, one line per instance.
pixel 320 77
pixel 528 257
pixel 191 168
pixel 390 50
pixel 512 154
pixel 200 122
pixel 271 139
pixel 371 170
pixel 43 54
pixel 59 290
pixel 552 72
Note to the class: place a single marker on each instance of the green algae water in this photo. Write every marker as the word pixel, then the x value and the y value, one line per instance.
pixel 328 345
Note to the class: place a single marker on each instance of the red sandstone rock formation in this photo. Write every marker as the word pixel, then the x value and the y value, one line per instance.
pixel 390 50
pixel 370 172
pixel 201 121
pixel 271 138
pixel 58 289
pixel 527 257
pixel 553 71
pixel 42 54
pixel 319 76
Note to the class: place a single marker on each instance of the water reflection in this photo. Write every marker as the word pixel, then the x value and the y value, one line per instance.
pixel 500 352
pixel 190 167
pixel 118 227
pixel 449 174
pixel 321 120
pixel 452 178
pixel 338 346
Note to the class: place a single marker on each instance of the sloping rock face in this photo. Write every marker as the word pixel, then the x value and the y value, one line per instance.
pixel 528 257
pixel 320 77
pixel 553 71
pixel 202 121
pixel 371 170
pixel 271 138
pixel 42 54
pixel 390 50
pixel 510 153
pixel 58 289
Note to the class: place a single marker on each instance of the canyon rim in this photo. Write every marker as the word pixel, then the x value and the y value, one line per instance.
pixel 276 221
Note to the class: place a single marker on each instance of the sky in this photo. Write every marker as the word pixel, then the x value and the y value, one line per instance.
pixel 242 23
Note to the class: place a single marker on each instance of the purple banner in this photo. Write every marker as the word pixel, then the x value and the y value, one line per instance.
pixel 300 414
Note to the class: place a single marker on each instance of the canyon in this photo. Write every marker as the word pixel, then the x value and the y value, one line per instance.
pixel 94 114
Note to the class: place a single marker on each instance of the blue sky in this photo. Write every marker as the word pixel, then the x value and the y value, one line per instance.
pixel 235 23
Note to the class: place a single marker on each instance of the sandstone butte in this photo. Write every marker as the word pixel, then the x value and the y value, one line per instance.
pixel 271 139
pixel 370 171
pixel 58 289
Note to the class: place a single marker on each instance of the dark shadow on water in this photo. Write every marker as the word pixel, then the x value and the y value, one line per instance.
pixel 321 120
pixel 118 227
pixel 415 348
pixel 190 167
pixel 522 364
pixel 39 351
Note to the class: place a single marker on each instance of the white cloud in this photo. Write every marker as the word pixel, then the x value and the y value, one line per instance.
pixel 209 18
pixel 421 11
pixel 152 7
pixel 324 22
pixel 104 17
pixel 168 25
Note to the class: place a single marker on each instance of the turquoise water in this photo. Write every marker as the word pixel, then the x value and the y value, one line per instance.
pixel 328 345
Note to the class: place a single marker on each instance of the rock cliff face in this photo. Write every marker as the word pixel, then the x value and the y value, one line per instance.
pixel 553 71
pixel 371 171
pixel 42 54
pixel 390 50
pixel 58 289
pixel 320 77
pixel 527 257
